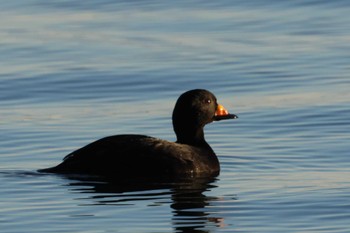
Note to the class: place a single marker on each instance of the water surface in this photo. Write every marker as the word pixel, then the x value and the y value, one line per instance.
pixel 75 71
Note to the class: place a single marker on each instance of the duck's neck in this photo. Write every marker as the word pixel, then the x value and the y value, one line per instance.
pixel 192 136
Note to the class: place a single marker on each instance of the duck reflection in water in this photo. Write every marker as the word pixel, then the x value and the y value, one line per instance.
pixel 185 196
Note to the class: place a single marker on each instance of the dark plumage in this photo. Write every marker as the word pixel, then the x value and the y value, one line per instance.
pixel 123 156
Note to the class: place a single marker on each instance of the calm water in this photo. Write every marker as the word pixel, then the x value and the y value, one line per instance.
pixel 75 71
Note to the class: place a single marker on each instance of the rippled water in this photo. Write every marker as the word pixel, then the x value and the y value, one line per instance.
pixel 75 71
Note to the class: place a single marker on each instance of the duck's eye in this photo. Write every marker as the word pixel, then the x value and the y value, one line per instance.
pixel 207 101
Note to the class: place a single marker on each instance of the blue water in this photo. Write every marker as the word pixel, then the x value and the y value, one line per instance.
pixel 75 71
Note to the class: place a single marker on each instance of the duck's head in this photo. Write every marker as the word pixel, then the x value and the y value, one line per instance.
pixel 193 110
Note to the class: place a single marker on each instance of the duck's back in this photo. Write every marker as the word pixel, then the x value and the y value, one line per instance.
pixel 138 155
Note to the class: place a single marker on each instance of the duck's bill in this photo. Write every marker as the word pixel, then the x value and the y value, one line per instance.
pixel 226 117
pixel 222 114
